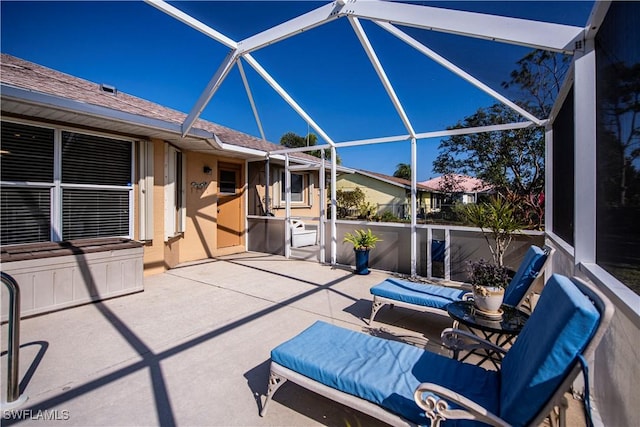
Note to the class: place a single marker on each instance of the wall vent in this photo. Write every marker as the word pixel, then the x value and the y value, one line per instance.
pixel 109 89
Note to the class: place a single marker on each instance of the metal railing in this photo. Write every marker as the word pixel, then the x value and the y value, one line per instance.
pixel 13 341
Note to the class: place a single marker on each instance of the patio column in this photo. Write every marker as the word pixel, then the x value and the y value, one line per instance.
pixel 287 221
pixel 334 232
pixel 429 256
pixel 585 154
pixel 323 207
pixel 267 185
pixel 414 240
pixel 447 253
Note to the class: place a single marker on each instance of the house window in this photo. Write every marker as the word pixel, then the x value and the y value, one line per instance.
pixel 617 143
pixel 27 181
pixel 96 186
pixel 298 184
pixel 60 185
pixel 228 181
pixel 174 192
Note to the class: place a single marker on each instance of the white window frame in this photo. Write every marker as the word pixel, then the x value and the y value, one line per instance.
pixel 57 185
pixel 306 189
pixel 145 189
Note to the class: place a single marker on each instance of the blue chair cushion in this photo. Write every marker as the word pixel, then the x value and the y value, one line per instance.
pixel 558 330
pixel 382 371
pixel 417 293
pixel 529 267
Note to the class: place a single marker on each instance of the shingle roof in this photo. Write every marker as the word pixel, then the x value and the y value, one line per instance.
pixel 30 76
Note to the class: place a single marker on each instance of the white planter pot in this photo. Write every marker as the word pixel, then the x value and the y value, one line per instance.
pixel 488 299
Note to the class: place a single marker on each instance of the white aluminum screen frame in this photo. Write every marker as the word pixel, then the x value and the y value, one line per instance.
pixel 535 34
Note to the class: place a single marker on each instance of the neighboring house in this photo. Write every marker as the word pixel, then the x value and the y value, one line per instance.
pixel 457 188
pixel 387 193
pixel 82 160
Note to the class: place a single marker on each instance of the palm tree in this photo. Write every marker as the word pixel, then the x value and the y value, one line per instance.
pixel 403 170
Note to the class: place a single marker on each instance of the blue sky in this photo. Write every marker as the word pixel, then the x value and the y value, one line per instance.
pixel 146 53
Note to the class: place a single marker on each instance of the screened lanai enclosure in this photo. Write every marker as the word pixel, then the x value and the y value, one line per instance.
pixel 591 137
pixel 407 25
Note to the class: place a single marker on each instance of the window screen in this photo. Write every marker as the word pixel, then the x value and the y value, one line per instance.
pixel 563 171
pixel 618 143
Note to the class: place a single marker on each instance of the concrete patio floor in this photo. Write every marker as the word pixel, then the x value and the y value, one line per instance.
pixel 193 348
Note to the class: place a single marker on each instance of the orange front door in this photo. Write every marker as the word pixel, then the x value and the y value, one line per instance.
pixel 229 205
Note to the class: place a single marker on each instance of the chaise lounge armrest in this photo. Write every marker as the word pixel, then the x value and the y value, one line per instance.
pixel 435 401
pixel 458 340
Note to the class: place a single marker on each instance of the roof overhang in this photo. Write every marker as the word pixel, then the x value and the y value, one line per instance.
pixel 30 105
pixel 20 102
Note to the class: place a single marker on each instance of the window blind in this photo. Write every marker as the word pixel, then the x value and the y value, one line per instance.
pixel 90 213
pixel 25 215
pixel 88 159
pixel 27 153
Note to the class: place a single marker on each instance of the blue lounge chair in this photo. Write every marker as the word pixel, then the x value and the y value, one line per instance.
pixel 403 385
pixel 434 298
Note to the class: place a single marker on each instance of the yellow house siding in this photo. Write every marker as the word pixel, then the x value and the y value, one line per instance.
pixel 375 191
pixel 379 192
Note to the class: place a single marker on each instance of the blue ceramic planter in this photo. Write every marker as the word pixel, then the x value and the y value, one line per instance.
pixel 362 261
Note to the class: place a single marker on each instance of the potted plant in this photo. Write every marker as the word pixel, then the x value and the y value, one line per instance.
pixel 498 221
pixel 489 281
pixel 362 242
